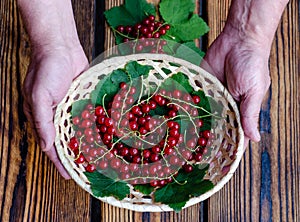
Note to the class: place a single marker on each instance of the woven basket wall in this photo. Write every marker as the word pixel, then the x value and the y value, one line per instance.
pixel 226 150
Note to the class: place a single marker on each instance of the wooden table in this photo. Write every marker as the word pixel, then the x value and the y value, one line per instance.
pixel 264 188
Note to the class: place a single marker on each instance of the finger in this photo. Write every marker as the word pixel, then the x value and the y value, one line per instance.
pixel 52 154
pixel 28 114
pixel 250 108
pixel 43 121
pixel 246 142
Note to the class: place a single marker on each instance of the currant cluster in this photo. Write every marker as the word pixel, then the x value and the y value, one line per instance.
pixel 144 35
pixel 125 136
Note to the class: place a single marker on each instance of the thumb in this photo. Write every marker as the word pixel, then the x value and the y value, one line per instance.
pixel 43 122
pixel 44 126
pixel 250 108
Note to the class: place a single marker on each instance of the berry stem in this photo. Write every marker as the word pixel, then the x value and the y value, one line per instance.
pixel 121 34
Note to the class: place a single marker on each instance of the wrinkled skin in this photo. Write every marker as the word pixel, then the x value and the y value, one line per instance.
pixel 242 66
pixel 48 79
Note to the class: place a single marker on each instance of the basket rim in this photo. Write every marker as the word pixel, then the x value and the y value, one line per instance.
pixel 145 207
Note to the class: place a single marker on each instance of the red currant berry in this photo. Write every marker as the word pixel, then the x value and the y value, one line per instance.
pixel 174 133
pixel 200 123
pixel 90 168
pixel 133 151
pixel 103 164
pixel 143 130
pixel 146 153
pixel 123 85
pixel 142 121
pixel 139 47
pixel 157 24
pixel 146 108
pixel 88 132
pixel 172 141
pixel 76 120
pixel 90 139
pixel 162 31
pixel 80 159
pixel 151 17
pixel 206 134
pixel 169 150
pixel 124 151
pixel 156 35
pixel 187 168
pixel 153 170
pixel 154 183
pixel 73 144
pixel 108 122
pixel 125 176
pixel 191 143
pixel 132 90
pixel 154 157
pixel 115 163
pixel 196 99
pixel 128 29
pixel 167 27
pixel 186 154
pixel 146 21
pixel 152 104
pixel 198 157
pixel 85 114
pixel 136 159
pixel 101 120
pixel 172 113
pixel 202 141
pixel 111 130
pixel 136 110
pixel 99 111
pixel 155 149
pixel 120 28
pixel 174 160
pixel 133 125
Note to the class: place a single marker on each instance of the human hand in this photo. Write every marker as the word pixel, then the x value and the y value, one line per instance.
pixel 241 64
pixel 49 77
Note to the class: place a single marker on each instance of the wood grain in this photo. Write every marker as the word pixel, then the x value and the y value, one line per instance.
pixel 109 213
pixel 264 188
pixel 266 185
pixel 30 187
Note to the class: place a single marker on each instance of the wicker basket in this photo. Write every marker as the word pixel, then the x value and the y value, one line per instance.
pixel 227 150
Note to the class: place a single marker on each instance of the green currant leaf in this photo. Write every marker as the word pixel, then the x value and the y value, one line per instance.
pixel 190 30
pixel 103 186
pixel 130 13
pixel 205 185
pixel 159 111
pixel 187 185
pixel 190 52
pixel 78 107
pixel 181 82
pixel 139 9
pixel 176 11
pixel 196 175
pixel 144 188
pixel 177 207
pixel 108 87
pixel 135 70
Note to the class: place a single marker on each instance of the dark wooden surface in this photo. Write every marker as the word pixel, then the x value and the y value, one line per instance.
pixel 264 188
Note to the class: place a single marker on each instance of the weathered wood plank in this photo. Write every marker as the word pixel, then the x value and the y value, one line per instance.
pixel 30 187
pixel 266 185
pixel 109 213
